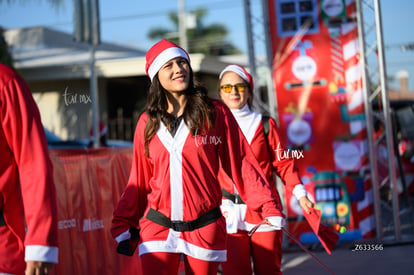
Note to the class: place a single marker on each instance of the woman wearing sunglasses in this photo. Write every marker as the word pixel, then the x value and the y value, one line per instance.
pixel 265 246
pixel 173 195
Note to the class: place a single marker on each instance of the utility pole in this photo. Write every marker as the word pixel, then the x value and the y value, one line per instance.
pixel 260 24
pixel 250 43
pixel 87 29
pixel 271 95
pixel 182 27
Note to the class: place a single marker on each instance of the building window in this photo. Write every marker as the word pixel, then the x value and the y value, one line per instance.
pixel 294 15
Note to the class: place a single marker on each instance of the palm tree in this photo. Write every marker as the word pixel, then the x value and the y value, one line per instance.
pixel 209 40
pixel 5 55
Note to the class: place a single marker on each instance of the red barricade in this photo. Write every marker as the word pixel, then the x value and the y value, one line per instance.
pixel 89 183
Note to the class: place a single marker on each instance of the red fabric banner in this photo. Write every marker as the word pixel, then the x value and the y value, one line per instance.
pixel 89 183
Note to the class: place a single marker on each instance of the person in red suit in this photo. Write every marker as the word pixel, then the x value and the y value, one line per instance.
pixel 28 211
pixel 173 195
pixel 265 246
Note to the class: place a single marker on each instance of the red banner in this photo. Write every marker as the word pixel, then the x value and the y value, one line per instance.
pixel 89 183
pixel 320 103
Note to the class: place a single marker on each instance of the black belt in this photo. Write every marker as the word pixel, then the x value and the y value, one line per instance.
pixel 234 198
pixel 2 221
pixel 203 220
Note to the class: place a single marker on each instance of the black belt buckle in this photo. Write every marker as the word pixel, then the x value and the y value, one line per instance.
pixel 182 226
pixel 238 200
pixel 235 198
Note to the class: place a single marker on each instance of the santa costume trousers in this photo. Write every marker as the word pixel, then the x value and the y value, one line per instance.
pixel 261 253
pixel 162 263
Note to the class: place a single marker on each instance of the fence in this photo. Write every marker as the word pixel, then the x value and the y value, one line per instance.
pixel 121 127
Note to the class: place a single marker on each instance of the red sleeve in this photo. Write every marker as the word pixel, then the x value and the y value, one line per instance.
pixel 24 134
pixel 225 181
pixel 284 164
pixel 240 164
pixel 133 201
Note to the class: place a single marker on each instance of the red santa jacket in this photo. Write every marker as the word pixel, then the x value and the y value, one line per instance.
pixel 179 179
pixel 268 152
pixel 27 191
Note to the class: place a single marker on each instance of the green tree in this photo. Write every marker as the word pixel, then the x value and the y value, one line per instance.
pixel 209 39
pixel 5 55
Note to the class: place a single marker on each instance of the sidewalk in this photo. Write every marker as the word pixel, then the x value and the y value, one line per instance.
pixel 392 259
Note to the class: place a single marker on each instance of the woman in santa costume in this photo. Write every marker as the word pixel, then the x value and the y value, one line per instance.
pixel 173 195
pixel 28 215
pixel 265 246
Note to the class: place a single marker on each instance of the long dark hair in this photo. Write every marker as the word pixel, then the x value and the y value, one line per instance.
pixel 198 112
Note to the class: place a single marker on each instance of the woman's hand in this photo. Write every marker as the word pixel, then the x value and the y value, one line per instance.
pixel 306 204
pixel 38 268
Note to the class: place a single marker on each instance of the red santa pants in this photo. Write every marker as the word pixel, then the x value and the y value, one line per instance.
pixel 263 249
pixel 162 263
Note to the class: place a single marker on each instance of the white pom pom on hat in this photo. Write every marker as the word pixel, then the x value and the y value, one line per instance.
pixel 160 53
pixel 240 71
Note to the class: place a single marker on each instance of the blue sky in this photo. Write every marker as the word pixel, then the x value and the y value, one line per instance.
pixel 127 22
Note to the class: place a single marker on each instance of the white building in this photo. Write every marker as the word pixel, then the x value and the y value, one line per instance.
pixel 57 70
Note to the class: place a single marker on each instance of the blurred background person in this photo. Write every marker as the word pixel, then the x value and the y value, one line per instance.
pixel 103 135
pixel 28 213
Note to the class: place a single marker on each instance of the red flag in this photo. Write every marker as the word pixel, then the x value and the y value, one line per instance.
pixel 326 235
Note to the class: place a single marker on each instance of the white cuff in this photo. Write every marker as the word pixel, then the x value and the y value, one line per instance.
pixel 123 236
pixel 41 253
pixel 299 191
pixel 275 221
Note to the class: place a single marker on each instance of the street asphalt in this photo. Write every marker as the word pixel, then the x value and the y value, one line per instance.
pixel 352 259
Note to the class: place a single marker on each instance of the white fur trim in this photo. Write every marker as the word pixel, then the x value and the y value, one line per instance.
pixel 299 191
pixel 181 246
pixel 175 145
pixel 41 253
pixel 163 58
pixel 123 236
pixel 235 69
pixel 263 228
pixel 276 222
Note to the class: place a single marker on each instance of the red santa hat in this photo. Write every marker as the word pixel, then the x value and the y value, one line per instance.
pixel 241 72
pixel 161 53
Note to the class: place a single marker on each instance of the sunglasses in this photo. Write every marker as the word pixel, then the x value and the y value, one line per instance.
pixel 240 88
